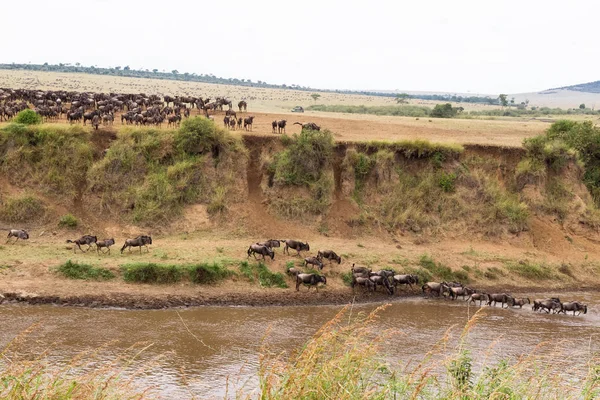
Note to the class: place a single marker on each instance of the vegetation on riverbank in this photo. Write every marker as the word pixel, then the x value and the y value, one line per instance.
pixel 345 359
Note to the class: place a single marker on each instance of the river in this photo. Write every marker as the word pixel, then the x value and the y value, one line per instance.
pixel 214 345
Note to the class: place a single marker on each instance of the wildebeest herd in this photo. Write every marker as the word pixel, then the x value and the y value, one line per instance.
pixel 361 276
pixel 134 109
pixel 389 280
pixel 102 246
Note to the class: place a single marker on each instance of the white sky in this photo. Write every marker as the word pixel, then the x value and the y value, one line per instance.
pixel 477 46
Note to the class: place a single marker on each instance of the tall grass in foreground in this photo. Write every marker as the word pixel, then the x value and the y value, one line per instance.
pixel 345 360
pixel 85 376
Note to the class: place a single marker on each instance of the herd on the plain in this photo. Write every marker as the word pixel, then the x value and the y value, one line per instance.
pixel 134 109
pixel 362 276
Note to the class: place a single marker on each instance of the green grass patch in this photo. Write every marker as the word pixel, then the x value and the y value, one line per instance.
pixel 152 273
pixel 22 209
pixel 28 117
pixel 68 221
pixel 261 273
pixel 205 273
pixel 74 270
pixel 441 271
pixel 531 270
pixel 402 111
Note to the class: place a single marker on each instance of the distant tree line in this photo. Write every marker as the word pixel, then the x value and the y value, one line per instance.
pixel 126 71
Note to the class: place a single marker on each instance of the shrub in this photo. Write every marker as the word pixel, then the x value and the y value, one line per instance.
pixel 532 271
pixel 68 221
pixel 74 270
pixel 22 209
pixel 441 271
pixel 444 111
pixel 208 273
pixel 28 117
pixel 446 181
pixel 347 278
pixel 152 273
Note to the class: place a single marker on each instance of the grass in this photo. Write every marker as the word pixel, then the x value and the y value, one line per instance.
pixel 531 270
pixel 442 272
pixel 345 360
pixel 22 209
pixel 200 273
pixel 261 273
pixel 68 221
pixel 74 270
pixel 208 273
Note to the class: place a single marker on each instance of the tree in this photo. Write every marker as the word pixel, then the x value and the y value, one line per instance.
pixel 582 106
pixel 315 96
pixel 512 100
pixel 155 70
pixel 503 100
pixel 126 68
pixel 445 111
pixel 402 98
pixel 174 72
pixel 117 67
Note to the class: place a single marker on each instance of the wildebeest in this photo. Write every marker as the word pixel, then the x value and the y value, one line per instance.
pixel 309 125
pixel 85 239
pixel 271 243
pixel 478 296
pixel 294 271
pixel 381 280
pixel 502 298
pixel 520 302
pixel 248 121
pixel 405 280
pixel 460 291
pixel 329 255
pixel 274 126
pixel 435 287
pixel 240 121
pixel 296 245
pixel 96 122
pixel 574 306
pixel 363 281
pixel 106 243
pixel 281 126
pixel 139 241
pixel 310 280
pixel 17 233
pixel 360 271
pixel 552 304
pixel 242 104
pixel 256 248
pixel 313 261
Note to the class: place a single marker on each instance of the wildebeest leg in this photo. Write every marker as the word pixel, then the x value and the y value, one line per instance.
pixel 140 249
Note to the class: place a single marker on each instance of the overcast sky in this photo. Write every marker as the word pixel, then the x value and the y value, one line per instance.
pixel 477 46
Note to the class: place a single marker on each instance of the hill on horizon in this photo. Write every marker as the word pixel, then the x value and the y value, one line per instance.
pixel 589 87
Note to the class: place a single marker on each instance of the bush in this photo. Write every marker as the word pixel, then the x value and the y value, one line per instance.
pixel 347 278
pixel 531 271
pixel 446 181
pixel 73 270
pixel 208 273
pixel 402 111
pixel 445 111
pixel 22 209
pixel 28 117
pixel 441 271
pixel 68 221
pixel 152 273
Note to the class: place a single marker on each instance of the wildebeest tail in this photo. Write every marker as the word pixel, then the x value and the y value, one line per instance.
pixel 70 241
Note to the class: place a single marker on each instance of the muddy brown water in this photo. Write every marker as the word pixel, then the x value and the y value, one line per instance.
pixel 229 339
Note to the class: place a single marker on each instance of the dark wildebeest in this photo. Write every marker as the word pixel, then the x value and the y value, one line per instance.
pixel 309 125
pixel 106 243
pixel 256 248
pixel 460 291
pixel 478 296
pixel 309 280
pixel 296 245
pixel 406 280
pixel 329 255
pixel 248 121
pixel 226 121
pixel 360 271
pixel 381 280
pixel 363 281
pixel 139 241
pixel 240 121
pixel 294 271
pixel 439 288
pixel 274 126
pixel 271 243
pixel 313 261
pixel 281 126
pixel 18 233
pixel 502 298
pixel 552 304
pixel 520 302
pixel 96 122
pixel 232 123
pixel 85 239
pixel 574 306
pixel 242 104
